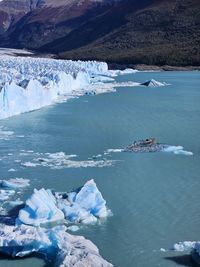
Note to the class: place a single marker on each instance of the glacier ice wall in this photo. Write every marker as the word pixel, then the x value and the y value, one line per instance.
pixel 28 83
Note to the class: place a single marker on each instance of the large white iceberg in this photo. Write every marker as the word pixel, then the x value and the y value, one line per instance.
pixel 84 206
pixel 56 244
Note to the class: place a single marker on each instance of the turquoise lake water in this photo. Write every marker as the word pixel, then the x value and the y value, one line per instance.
pixel 154 197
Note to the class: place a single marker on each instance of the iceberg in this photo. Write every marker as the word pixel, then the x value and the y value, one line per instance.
pixel 56 244
pixel 43 207
pixel 84 206
pixel 40 209
pixel 153 83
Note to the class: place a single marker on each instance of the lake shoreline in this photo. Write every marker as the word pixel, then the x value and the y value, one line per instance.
pixel 143 67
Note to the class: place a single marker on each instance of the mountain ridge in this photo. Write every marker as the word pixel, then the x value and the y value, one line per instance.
pixel 153 32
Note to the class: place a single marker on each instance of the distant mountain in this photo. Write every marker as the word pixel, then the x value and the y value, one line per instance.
pixel 128 31
pixel 34 23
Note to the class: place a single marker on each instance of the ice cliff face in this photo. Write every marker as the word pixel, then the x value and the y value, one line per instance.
pixel 28 84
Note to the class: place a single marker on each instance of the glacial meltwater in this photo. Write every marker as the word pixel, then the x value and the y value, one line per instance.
pixel 154 197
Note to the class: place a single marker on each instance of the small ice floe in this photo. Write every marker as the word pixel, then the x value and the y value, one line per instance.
pixel 6 194
pixel 15 183
pixel 12 170
pixel 55 244
pixel 73 228
pixel 84 206
pixel 153 83
pixel 162 249
pixel 29 164
pixel 178 150
pixel 40 209
pixel 60 160
pixel 184 246
pixel 114 150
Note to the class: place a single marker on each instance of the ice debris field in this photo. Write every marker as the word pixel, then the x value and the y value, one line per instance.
pixel 28 84
pixel 42 222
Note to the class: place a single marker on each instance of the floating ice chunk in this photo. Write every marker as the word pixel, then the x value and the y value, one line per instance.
pixel 40 209
pixel 178 150
pixel 56 244
pixel 153 83
pixel 6 194
pixel 73 228
pixel 12 170
pixel 29 164
pixel 114 150
pixel 15 183
pixel 60 160
pixel 184 246
pixel 84 206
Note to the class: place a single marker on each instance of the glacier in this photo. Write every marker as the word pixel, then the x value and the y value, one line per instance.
pixel 28 83
pixel 31 83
